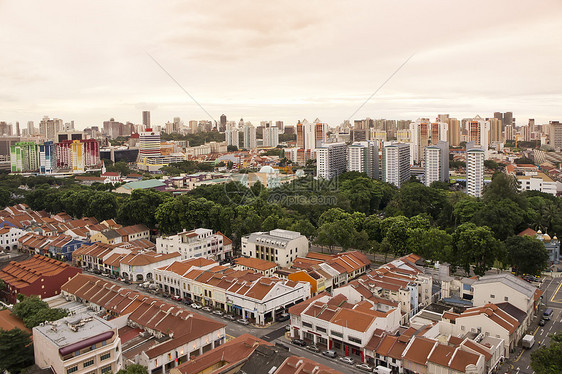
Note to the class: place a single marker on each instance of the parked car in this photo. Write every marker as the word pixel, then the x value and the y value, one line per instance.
pixel 176 298
pixel 330 353
pixel 196 306
pixel 347 360
pixel 542 322
pixel 283 317
pixel 364 367
pixel 218 312
pixel 298 342
pixel 229 317
pixel 207 309
pixel 243 321
pixel 313 348
pixel 287 327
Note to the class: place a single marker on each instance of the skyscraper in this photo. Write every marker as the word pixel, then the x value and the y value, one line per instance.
pixel 396 163
pixel 419 138
pixel 495 129
pixel 311 135
pixel 454 132
pixel 475 157
pixel 24 157
pixel 48 128
pixel 250 136
pixel 47 157
pixel 271 137
pixel 331 160
pixel 555 135
pixel 222 123
pixel 364 158
pixel 437 163
pixel 77 156
pixel 232 136
pixel 30 128
pixel 479 132
pixel 146 119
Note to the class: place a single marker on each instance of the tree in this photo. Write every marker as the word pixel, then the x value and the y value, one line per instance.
pixel 503 216
pixel 465 209
pixel 231 148
pixel 4 198
pixel 16 350
pixel 491 164
pixel 103 205
pixel 433 244
pixel 548 360
pixel 33 311
pixel 134 369
pixel 475 245
pixel 140 207
pixel 526 254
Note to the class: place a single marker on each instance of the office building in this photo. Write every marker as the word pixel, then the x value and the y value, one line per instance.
pixel 198 243
pixel 30 128
pixel 250 137
pixel 453 132
pixel 81 343
pixel 438 132
pixel 509 133
pixel 331 160
pixel 555 135
pixel 396 163
pixel 281 126
pixel 149 144
pixel 232 136
pixel 271 137
pixel 24 157
pixel 437 163
pixel 364 158
pixel 475 157
pixel 419 139
pixel 222 123
pixel 146 119
pixel 279 246
pixel 47 157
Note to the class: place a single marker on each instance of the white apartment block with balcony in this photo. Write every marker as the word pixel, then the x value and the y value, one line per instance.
pixel 364 158
pixel 396 163
pixel 279 246
pixel 437 163
pixel 536 181
pixel 196 243
pixel 331 160
pixel 82 343
pixel 474 170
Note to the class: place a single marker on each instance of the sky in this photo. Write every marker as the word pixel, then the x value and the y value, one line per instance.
pixel 283 60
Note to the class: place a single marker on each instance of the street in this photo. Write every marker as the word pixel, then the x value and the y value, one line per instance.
pixel 520 360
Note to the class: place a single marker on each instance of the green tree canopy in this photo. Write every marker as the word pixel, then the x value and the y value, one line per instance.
pixel 134 369
pixel 476 245
pixel 526 254
pixel 33 311
pixel 16 350
pixel 548 360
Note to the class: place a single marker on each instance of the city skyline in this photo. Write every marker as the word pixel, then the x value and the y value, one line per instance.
pixel 92 62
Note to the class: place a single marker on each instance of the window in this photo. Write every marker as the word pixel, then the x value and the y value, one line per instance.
pixel 72 370
pixel 105 356
pixel 106 369
pixel 88 363
pixel 306 324
pixel 492 296
pixel 462 328
pixel 354 339
pixel 335 333
pixel 506 298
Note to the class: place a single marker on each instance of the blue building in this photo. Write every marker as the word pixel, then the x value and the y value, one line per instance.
pixel 47 158
pixel 63 246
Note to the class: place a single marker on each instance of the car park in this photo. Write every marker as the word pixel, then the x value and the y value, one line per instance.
pixel 364 367
pixel 299 342
pixel 330 353
pixel 243 321
pixel 347 360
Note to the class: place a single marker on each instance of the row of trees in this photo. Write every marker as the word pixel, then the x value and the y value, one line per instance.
pixel 352 211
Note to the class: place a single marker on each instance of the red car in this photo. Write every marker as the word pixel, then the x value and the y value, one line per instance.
pixel 176 298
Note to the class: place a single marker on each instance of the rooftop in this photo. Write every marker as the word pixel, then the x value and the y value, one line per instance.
pixel 62 334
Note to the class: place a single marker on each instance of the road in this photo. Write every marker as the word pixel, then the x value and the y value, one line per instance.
pixel 274 333
pixel 520 360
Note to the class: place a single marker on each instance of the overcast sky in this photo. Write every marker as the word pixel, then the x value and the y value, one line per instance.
pixel 282 60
